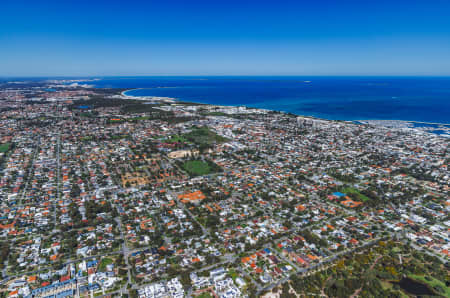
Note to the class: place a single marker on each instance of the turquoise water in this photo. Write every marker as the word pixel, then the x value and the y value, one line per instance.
pixel 343 98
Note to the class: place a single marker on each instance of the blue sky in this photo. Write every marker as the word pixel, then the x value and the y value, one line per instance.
pixel 316 37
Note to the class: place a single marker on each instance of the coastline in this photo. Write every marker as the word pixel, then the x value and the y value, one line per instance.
pixel 123 93
pixel 154 98
pixel 346 99
pixel 436 128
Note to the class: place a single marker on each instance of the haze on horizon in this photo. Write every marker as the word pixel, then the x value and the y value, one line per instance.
pixel 103 38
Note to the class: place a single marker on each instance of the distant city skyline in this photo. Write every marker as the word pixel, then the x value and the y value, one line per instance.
pixel 116 38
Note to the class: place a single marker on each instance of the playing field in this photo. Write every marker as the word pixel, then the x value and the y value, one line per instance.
pixel 197 167
pixel 4 147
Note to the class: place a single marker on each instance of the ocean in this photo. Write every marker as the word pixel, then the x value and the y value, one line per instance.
pixel 424 99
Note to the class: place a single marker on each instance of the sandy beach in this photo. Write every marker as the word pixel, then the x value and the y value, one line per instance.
pixel 145 98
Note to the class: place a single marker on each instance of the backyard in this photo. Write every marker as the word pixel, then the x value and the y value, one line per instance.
pixel 4 147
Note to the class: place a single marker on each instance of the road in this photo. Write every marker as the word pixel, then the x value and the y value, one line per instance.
pixel 183 206
pixel 58 178
pixel 30 170
pixel 125 252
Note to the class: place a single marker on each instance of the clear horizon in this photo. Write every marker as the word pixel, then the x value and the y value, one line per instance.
pixel 233 38
pixel 218 76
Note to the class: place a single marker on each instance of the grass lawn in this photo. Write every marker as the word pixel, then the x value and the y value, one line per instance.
pixel 197 167
pixel 87 114
pixel 176 139
pixel 118 137
pixel 204 295
pixel 4 147
pixel 203 136
pixel 386 285
pixel 140 118
pixel 396 249
pixel 104 263
pixel 433 282
pixel 233 274
pixel 351 190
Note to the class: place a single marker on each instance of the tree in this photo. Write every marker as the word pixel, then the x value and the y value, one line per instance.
pixel 185 279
